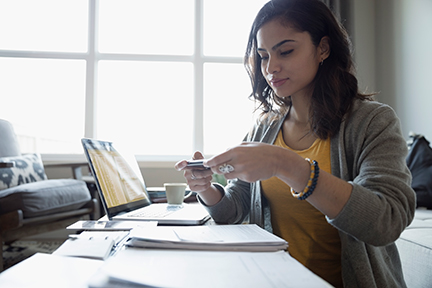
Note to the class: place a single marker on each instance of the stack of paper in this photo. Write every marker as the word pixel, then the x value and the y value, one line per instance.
pixel 197 269
pixel 92 244
pixel 107 225
pixel 242 256
pixel 94 248
pixel 211 237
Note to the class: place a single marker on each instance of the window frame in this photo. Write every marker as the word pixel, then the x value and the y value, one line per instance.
pixel 92 58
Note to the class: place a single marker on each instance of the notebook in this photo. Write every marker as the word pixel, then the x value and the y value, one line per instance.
pixel 123 191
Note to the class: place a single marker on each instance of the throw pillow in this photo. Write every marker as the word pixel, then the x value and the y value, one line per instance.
pixel 28 168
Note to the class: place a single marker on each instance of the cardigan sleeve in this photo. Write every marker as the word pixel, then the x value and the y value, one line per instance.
pixel 234 206
pixel 371 154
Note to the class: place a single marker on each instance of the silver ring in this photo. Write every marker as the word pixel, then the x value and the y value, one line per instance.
pixel 193 177
pixel 226 168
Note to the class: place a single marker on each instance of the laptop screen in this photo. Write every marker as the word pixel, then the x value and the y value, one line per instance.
pixel 117 177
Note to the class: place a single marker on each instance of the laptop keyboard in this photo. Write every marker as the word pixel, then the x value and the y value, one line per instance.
pixel 153 211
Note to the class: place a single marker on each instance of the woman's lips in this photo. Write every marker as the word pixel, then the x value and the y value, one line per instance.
pixel 278 82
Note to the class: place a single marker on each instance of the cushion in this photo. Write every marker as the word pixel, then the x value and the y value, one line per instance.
pixel 28 168
pixel 422 219
pixel 45 197
pixel 415 250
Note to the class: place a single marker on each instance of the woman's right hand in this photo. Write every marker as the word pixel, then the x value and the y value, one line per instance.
pixel 198 179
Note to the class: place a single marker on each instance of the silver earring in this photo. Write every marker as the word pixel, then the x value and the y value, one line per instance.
pixel 322 61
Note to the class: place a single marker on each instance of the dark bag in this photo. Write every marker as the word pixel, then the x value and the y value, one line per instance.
pixel 419 161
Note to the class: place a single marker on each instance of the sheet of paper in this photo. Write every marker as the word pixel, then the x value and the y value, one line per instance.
pixel 107 225
pixel 225 233
pixel 172 268
pixel 117 236
pixel 87 248
pixel 208 234
pixel 213 237
pixel 50 271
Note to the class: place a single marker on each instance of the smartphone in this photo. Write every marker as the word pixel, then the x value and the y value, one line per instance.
pixel 196 164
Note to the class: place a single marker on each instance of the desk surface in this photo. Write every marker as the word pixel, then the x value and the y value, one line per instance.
pixel 192 269
pixel 151 267
pixel 46 271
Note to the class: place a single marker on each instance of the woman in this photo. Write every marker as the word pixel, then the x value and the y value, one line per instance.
pixel 342 211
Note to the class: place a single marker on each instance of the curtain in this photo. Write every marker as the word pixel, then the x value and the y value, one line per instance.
pixel 341 8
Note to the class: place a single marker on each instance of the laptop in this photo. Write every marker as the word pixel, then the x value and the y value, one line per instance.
pixel 123 192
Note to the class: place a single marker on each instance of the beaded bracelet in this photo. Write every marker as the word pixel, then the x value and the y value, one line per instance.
pixel 313 179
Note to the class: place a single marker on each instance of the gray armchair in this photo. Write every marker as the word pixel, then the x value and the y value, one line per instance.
pixel 30 203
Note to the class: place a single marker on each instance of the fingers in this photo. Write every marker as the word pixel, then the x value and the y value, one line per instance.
pixel 183 163
pixel 223 164
pixel 201 184
pixel 218 160
pixel 198 179
pixel 197 155
pixel 180 165
pixel 228 156
pixel 198 174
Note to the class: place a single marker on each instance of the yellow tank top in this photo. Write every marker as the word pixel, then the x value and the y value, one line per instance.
pixel 311 239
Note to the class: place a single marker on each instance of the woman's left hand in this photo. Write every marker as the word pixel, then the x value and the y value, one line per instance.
pixel 250 162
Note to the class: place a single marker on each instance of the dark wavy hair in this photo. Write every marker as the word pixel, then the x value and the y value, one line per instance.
pixel 335 85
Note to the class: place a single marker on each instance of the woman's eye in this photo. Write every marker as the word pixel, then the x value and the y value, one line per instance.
pixel 263 57
pixel 287 52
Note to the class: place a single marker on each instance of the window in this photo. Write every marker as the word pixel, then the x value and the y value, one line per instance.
pixel 164 78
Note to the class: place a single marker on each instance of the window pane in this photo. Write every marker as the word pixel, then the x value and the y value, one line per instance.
pixel 146 105
pixel 227 25
pixel 228 112
pixel 146 26
pixel 44 25
pixel 45 101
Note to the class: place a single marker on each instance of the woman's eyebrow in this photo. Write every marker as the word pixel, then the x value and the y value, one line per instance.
pixel 277 45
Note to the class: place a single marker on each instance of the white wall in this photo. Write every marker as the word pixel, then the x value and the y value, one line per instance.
pixel 404 75
pixel 392 47
pixel 363 36
pixel 414 97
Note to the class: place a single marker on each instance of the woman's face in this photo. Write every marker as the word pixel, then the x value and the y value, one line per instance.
pixel 289 60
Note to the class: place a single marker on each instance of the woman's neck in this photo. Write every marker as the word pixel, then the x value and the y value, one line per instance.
pixel 300 110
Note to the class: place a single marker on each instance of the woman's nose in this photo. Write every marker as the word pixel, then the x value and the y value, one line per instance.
pixel 272 66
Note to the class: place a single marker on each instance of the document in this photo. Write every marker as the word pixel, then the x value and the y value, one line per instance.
pixel 245 237
pixel 196 269
pixel 117 236
pixel 93 249
pixel 93 244
pixel 110 225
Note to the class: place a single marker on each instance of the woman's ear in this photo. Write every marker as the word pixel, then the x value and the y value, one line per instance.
pixel 324 47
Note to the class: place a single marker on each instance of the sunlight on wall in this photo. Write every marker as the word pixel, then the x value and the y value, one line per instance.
pixel 416 63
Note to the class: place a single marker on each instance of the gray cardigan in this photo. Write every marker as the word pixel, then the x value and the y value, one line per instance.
pixel 369 151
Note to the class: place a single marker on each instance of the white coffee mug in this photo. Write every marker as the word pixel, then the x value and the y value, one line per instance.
pixel 175 193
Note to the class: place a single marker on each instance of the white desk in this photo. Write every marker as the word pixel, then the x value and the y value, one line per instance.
pixel 46 271
pixel 195 269
pixel 210 269
pixel 163 268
